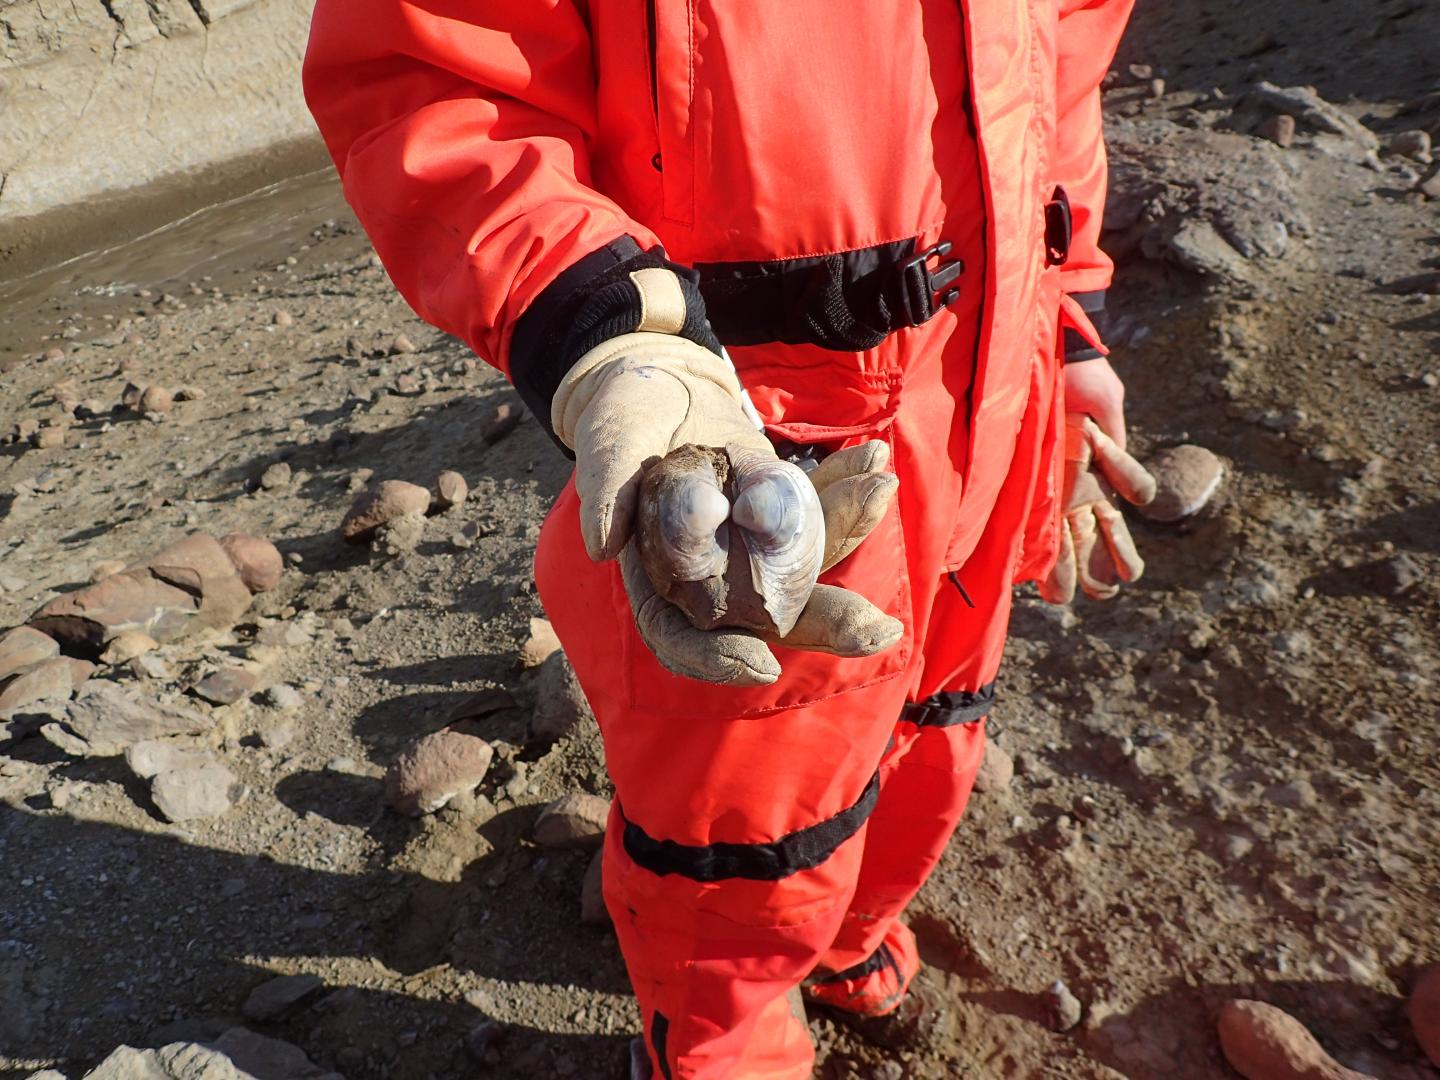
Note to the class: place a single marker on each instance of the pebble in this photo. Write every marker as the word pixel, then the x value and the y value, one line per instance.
pixel 1235 846
pixel 194 794
pixel 50 438
pixel 1423 1008
pixel 274 998
pixel 575 820
pixel 283 318
pixel 276 476
pixel 403 344
pixel 1186 479
pixel 435 769
pixel 1064 1007
pixel 560 704
pixel 996 770
pixel 226 686
pixel 450 489
pixel 156 399
pixel 379 504
pixel 1296 795
pixel 502 422
pixel 1263 1043
pixel 277 737
pixel 1279 129
pixel 1412 144
pixel 540 645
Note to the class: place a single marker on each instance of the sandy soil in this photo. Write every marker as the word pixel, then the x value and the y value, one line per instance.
pixel 1225 782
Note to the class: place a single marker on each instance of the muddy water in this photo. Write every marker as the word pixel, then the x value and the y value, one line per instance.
pixel 91 294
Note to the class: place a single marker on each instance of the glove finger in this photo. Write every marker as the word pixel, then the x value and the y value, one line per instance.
pixel 1095 568
pixel 853 507
pixel 1128 564
pixel 869 457
pixel 1059 587
pixel 611 450
pixel 724 657
pixel 1131 479
pixel 842 623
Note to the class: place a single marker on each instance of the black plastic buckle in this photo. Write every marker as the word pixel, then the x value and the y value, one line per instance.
pixel 923 291
pixel 1058 228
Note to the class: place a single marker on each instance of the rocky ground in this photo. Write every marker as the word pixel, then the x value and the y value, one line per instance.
pixel 1223 785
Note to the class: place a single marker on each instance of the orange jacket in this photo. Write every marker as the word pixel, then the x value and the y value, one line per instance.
pixel 490 146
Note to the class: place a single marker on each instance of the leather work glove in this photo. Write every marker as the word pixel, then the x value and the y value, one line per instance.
pixel 630 401
pixel 1096 549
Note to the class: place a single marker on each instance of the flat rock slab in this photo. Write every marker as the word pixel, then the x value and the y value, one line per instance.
pixel 194 794
pixel 107 718
pixel 226 686
pixel 274 998
pixel 24 647
pixel 269 1059
pixel 50 680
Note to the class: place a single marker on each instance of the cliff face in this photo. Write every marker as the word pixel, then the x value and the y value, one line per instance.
pixel 99 96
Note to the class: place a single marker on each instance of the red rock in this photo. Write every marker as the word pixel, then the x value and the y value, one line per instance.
pixel 226 686
pixel 24 647
pixel 576 820
pixel 156 399
pixel 50 680
pixel 450 489
pixel 380 503
pixel 1262 1042
pixel 1186 479
pixel 1423 1009
pixel 133 600
pixel 257 560
pixel 435 769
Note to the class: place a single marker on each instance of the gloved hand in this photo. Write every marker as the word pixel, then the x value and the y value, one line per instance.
pixel 633 399
pixel 1096 549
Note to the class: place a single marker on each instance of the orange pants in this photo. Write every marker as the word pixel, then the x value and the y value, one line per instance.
pixel 763 836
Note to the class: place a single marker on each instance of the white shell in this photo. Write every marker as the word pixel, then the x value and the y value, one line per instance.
pixel 783 525
pixel 693 513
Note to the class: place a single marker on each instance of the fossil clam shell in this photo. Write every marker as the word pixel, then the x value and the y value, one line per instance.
pixel 733 537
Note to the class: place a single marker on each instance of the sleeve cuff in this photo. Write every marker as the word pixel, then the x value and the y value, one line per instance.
pixel 1078 340
pixel 589 303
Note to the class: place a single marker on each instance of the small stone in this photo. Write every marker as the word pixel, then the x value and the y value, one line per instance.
pixel 190 393
pixel 502 422
pixel 150 758
pixel 1412 144
pixel 50 438
pixel 1279 129
pixel 1140 72
pixel 560 704
pixel 434 770
pixel 593 911
pixel 996 770
pixel 406 385
pixel 1429 183
pixel 1064 1007
pixel 281 696
pixel 576 820
pixel 276 476
pixel 194 794
pixel 156 399
pixel 540 645
pixel 277 737
pixel 273 999
pixel 450 489
pixel 226 686
pixel 1423 1008
pixel 1296 795
pixel 1235 846
pixel 1155 88
pixel 53 354
pixel 1396 575
pixel 24 647
pixel 460 541
pixel 126 646
pixel 400 535
pixel 1186 479
pixel 152 666
pixel 383 502
pixel 1263 1043
pixel 403 344
pixel 283 318
pixel 55 679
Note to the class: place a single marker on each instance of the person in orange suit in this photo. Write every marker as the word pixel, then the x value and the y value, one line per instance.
pixel 862 237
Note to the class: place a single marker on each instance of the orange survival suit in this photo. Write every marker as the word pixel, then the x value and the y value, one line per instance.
pixel 891 212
